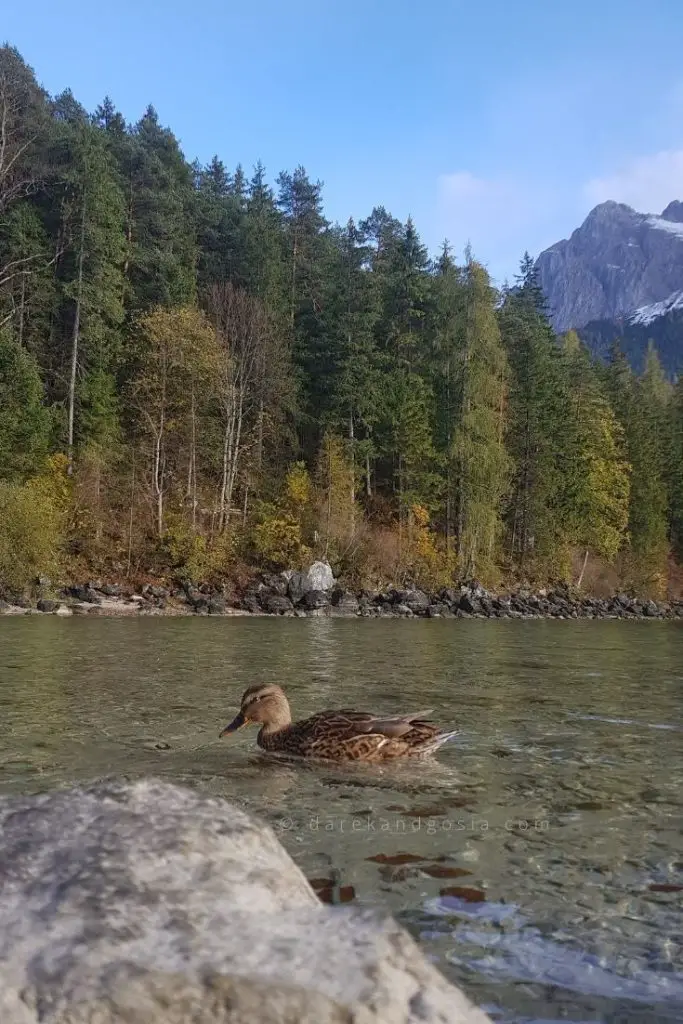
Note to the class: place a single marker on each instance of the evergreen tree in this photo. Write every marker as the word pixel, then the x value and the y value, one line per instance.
pixel 159 266
pixel 24 423
pixel 676 469
pixel 536 425
pixel 637 405
pixel 352 396
pixel 480 465
pixel 220 217
pixel 264 250
pixel 300 201
pixel 90 274
pixel 596 481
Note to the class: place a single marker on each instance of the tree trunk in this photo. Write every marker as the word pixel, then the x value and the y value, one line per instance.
pixel 21 310
pixel 192 465
pixel 130 519
pixel 352 441
pixel 74 342
pixel 583 569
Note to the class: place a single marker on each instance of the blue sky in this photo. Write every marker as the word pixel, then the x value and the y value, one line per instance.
pixel 500 122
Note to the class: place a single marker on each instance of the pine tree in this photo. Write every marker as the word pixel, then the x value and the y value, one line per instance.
pixel 300 201
pixel 264 249
pixel 351 393
pixel 536 425
pixel 480 467
pixel 638 405
pixel 90 273
pixel 220 218
pixel 160 260
pixel 405 431
pixel 676 469
pixel 24 422
pixel 24 250
pixel 596 482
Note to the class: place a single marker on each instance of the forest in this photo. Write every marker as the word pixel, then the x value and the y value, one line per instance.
pixel 201 376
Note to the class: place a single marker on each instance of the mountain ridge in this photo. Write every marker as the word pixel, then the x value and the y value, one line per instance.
pixel 616 261
pixel 619 275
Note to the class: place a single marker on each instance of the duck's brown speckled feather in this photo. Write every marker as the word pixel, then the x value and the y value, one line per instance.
pixel 346 735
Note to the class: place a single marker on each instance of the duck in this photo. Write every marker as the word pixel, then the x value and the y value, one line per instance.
pixel 342 735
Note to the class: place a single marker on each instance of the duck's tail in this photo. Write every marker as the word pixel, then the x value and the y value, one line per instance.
pixel 438 741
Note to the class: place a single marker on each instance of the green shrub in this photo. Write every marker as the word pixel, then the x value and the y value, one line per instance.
pixel 33 520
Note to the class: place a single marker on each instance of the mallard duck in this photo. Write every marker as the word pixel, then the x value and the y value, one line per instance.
pixel 334 735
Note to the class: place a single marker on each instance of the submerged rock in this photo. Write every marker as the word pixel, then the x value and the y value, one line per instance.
pixel 131 903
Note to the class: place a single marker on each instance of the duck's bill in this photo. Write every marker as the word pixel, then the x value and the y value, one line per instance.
pixel 237 723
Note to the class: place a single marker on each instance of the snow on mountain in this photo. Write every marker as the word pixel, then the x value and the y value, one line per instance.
pixel 647 314
pixel 672 226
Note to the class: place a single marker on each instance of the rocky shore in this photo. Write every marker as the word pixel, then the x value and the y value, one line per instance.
pixel 129 903
pixel 316 593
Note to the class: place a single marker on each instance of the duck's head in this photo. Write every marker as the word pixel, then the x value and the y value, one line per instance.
pixel 264 704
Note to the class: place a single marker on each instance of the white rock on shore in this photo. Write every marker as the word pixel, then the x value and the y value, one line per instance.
pixel 148 904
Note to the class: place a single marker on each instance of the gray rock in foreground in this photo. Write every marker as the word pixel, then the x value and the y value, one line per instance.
pixel 148 904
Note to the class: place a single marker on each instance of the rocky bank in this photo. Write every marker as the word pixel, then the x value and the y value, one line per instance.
pixel 316 593
pixel 146 903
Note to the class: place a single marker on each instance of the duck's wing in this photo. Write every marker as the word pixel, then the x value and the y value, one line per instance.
pixel 345 725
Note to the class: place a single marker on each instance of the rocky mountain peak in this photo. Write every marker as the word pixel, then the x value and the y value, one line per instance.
pixel 617 261
pixel 674 211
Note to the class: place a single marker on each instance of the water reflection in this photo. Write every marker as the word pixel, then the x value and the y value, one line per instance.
pixel 538 858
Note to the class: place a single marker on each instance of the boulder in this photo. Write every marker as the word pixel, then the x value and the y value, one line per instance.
pixel 417 601
pixel 344 602
pixel 278 584
pixel 315 599
pixel 297 587
pixel 47 606
pixel 146 903
pixel 468 603
pixel 320 577
pixel 250 603
pixel 85 594
pixel 275 604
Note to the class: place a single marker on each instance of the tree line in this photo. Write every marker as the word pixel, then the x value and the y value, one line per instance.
pixel 200 373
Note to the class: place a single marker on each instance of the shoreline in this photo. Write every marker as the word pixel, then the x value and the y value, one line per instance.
pixel 287 595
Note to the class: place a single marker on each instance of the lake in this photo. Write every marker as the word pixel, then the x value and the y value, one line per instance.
pixel 538 858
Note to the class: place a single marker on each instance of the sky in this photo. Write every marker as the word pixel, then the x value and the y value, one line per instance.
pixel 498 123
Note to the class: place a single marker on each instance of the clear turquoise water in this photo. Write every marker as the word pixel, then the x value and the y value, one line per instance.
pixel 550 818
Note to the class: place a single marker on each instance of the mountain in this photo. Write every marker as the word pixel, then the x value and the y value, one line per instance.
pixel 620 275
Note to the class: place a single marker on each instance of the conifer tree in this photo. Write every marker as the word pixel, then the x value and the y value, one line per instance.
pixel 24 423
pixel 480 464
pixel 676 469
pixel 90 272
pixel 596 481
pixel 637 405
pixel 538 407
